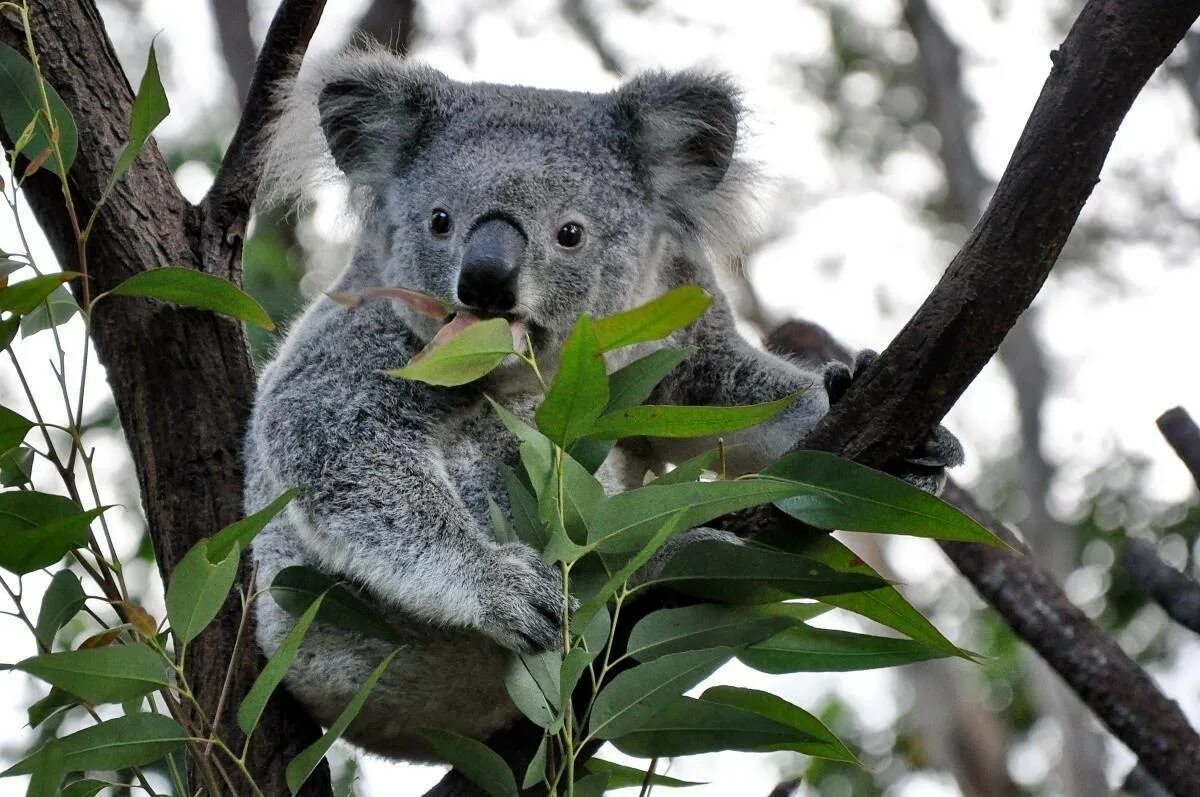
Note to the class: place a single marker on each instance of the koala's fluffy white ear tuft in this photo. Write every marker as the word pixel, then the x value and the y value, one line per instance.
pixel 360 113
pixel 683 128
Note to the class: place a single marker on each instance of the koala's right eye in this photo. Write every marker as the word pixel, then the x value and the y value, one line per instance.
pixel 440 222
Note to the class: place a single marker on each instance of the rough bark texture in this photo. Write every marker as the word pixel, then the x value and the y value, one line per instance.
pixel 182 379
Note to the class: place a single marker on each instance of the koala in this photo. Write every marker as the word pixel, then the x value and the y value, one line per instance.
pixel 526 204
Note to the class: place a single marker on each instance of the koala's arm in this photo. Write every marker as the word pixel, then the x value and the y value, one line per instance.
pixel 726 370
pixel 376 504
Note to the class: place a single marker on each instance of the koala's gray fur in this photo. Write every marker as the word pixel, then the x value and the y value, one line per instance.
pixel 394 475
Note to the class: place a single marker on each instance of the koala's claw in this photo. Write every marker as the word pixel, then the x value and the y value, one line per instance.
pixel 523 603
pixel 924 467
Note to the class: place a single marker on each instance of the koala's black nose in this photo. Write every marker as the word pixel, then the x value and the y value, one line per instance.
pixel 488 279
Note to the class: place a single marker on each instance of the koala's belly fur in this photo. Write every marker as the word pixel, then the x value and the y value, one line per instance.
pixel 424 685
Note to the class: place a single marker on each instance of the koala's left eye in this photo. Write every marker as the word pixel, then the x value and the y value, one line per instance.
pixel 570 235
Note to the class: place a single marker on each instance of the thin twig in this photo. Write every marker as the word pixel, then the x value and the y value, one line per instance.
pixel 1178 595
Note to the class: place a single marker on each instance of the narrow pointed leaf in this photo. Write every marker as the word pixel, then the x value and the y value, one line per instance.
pixel 24 297
pixel 689 471
pixel 672 421
pixel 804 648
pixel 845 495
pixel 58 308
pixel 654 320
pixel 198 590
pixel 773 707
pixel 150 107
pixel 295 588
pixel 303 765
pixel 637 694
pixel 16 466
pixel 467 356
pixel 255 702
pixel 744 574
pixel 37 529
pixel 579 392
pixel 702 626
pixel 13 428
pixel 631 385
pixel 63 600
pixel 475 760
pixel 21 102
pixel 621 776
pixel 245 530
pixel 48 772
pixel 127 741
pixel 191 288
pixel 535 773
pixel 532 688
pixel 110 674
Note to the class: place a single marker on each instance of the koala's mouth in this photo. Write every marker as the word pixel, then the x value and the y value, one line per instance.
pixel 460 320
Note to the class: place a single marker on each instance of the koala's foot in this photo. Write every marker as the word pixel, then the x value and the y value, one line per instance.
pixel 522 600
pixel 923 467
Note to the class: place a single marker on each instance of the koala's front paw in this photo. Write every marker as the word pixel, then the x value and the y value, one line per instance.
pixel 522 600
pixel 925 466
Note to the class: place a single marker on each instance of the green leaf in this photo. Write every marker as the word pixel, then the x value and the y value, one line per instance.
pixel 579 392
pixel 687 726
pixel 13 428
pixel 701 626
pixel 504 533
pixel 467 356
pixel 582 498
pixel 527 524
pixel 25 296
pixel 21 102
pixel 633 384
pixel 108 674
pixel 621 776
pixel 47 772
pixel 302 765
pixel 272 674
pixel 637 694
pixel 654 320
pixel 532 681
pixel 51 705
pixel 773 707
pixel 629 518
pixel 845 495
pixel 191 288
pixel 884 605
pixel 62 600
pixel 744 574
pixel 535 773
pixel 690 470
pixel 198 590
pixel 128 741
pixel 475 760
pixel 84 788
pixel 673 421
pixel 245 530
pixel 8 330
pixel 592 785
pixel 804 648
pixel 38 529
pixel 150 107
pixel 584 614
pixel 57 309
pixel 16 466
pixel 295 588
pixel 573 666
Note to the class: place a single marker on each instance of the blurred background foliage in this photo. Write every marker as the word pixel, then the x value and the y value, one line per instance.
pixel 880 126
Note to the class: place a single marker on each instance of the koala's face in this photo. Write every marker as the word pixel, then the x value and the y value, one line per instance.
pixel 529 204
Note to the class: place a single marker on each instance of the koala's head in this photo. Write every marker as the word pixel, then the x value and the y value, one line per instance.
pixel 528 203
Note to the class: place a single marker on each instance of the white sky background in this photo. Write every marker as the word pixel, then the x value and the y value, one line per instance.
pixel 1118 359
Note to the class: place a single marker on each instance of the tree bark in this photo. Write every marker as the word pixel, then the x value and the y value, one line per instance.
pixel 182 378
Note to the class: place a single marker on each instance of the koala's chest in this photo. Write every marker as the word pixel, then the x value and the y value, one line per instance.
pixel 475 445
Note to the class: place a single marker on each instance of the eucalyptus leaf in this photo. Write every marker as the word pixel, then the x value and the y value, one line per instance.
pixel 198 589
pixel 57 309
pixel 242 532
pixel 803 648
pixel 16 466
pixel 191 288
pixel 701 626
pixel 38 529
pixel 621 776
pixel 773 707
pixel 13 428
pixel 632 384
pixel 274 671
pixel 109 674
pixel 21 105
pixel 62 600
pixel 637 694
pixel 24 297
pixel 531 690
pixel 295 588
pixel 127 741
pixel 679 421
pixel 300 767
pixel 654 320
pixel 475 760
pixel 467 356
pixel 579 391
pixel 150 107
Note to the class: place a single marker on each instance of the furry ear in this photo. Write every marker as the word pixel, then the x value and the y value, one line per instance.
pixel 683 128
pixel 374 109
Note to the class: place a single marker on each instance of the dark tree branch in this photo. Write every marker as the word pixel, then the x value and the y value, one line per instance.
pixel 392 23
pixel 1184 436
pixel 1109 54
pixel 232 18
pixel 182 378
pixel 1177 594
